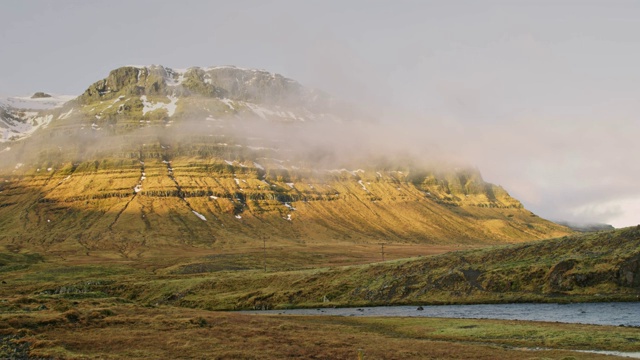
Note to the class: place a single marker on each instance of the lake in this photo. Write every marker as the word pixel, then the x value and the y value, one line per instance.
pixel 613 313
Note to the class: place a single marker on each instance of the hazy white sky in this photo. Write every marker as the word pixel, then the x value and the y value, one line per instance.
pixel 543 96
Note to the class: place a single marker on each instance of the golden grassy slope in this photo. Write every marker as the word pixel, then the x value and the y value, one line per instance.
pixel 108 204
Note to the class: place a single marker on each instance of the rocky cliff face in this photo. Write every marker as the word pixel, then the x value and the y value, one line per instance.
pixel 223 82
pixel 151 157
pixel 135 97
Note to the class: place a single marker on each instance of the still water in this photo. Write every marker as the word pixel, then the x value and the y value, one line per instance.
pixel 617 314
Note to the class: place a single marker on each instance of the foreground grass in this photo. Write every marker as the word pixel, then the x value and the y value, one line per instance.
pixel 112 329
pixel 160 307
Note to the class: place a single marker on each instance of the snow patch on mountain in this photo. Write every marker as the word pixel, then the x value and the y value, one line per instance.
pixel 65 115
pixel 362 185
pixel 275 113
pixel 175 77
pixel 172 106
pixel 16 125
pixel 152 106
pixel 229 103
pixel 199 215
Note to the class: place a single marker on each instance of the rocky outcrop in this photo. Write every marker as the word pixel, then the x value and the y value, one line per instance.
pixel 255 86
pixel 40 95
pixel 557 279
pixel 629 272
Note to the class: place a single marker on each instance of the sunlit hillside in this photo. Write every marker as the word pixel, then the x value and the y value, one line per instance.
pixel 220 157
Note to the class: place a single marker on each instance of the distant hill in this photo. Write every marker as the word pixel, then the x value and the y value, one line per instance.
pixel 585 227
pixel 581 268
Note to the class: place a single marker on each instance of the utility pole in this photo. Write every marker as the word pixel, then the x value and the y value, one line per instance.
pixel 382 251
pixel 264 249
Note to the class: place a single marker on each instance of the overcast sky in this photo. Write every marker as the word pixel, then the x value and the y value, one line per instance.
pixel 542 96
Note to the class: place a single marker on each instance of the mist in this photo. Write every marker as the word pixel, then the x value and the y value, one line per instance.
pixel 572 171
pixel 341 141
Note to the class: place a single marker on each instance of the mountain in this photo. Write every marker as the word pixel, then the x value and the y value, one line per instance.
pixel 585 227
pixel 152 157
pixel 136 96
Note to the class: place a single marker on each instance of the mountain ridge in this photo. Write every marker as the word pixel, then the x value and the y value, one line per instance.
pixel 145 89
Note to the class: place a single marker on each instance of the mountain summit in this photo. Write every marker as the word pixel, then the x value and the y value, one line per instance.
pixel 224 82
pixel 151 93
pixel 154 92
pixel 152 157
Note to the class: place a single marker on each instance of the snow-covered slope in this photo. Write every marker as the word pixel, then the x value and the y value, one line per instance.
pixel 38 103
pixel 21 116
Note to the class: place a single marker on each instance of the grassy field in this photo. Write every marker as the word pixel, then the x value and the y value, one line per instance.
pixel 595 267
pixel 113 329
pixel 104 306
